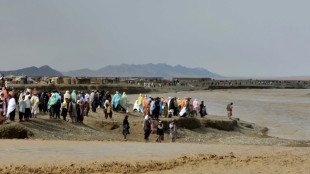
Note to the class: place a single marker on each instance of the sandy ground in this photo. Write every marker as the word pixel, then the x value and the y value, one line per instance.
pixel 284 111
pixel 37 156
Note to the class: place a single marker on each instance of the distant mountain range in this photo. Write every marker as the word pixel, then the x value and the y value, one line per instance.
pixel 33 71
pixel 123 70
pixel 146 70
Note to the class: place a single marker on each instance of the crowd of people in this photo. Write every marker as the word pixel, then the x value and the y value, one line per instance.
pixel 75 104
pixel 156 107
pixel 78 104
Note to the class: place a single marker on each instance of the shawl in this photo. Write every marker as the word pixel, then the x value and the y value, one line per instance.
pixel 124 101
pixel 183 103
pixel 116 99
pixel 67 95
pixel 196 104
pixel 11 106
pixel 140 100
pixel 35 103
pixel 92 96
pixel 52 101
pixel 145 102
pixel 73 95
pixel 152 107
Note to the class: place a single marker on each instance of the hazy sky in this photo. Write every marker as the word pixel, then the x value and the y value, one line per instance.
pixel 228 37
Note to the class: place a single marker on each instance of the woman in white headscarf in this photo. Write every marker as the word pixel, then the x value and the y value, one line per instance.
pixel 196 106
pixel 67 95
pixel 35 103
pixel 11 108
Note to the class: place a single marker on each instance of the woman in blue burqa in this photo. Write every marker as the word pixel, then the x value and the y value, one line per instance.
pixel 116 101
pixel 73 95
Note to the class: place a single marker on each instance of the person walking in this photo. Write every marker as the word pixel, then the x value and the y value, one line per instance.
pixel 203 110
pixel 28 107
pixel 229 110
pixel 35 104
pixel 73 110
pixel 3 104
pixel 196 107
pixel 108 108
pixel 160 132
pixel 126 127
pixel 11 108
pixel 147 128
pixel 173 131
pixel 64 108
pixel 22 108
pixel 125 102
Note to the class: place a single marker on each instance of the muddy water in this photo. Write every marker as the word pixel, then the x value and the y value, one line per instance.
pixel 286 112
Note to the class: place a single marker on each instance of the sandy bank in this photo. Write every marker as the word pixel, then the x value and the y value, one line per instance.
pixel 24 156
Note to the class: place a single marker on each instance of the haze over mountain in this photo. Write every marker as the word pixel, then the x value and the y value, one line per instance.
pixel 33 71
pixel 145 70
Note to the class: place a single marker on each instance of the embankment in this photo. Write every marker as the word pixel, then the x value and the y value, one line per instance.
pixel 62 88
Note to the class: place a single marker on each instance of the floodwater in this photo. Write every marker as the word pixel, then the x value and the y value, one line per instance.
pixel 286 112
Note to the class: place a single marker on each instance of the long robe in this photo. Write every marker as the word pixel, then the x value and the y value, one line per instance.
pixel 116 100
pixel 73 95
pixel 196 105
pixel 147 108
pixel 35 103
pixel 94 103
pixel 67 95
pixel 140 100
pixel 145 102
pixel 152 107
pixel 183 103
pixel 52 101
pixel 124 101
pixel 11 107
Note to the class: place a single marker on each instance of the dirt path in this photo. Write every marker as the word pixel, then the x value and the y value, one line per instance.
pixel 131 157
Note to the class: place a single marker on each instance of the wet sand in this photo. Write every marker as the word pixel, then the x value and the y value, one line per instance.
pixel 284 111
pixel 36 156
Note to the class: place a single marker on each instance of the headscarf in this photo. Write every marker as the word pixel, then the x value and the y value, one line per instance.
pixel 116 100
pixel 140 100
pixel 67 95
pixel 145 102
pixel 4 92
pixel 196 104
pixel 52 100
pixel 73 95
pixel 11 93
pixel 183 103
pixel 124 101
